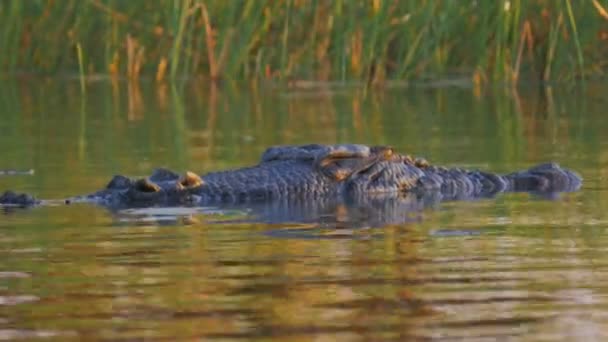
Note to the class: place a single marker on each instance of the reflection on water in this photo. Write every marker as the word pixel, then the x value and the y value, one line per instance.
pixel 511 267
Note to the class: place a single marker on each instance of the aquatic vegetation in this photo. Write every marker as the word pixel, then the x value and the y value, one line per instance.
pixel 340 40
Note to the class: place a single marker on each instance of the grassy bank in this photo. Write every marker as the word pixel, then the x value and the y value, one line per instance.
pixel 321 40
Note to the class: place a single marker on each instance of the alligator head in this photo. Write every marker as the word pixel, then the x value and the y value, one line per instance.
pixel 162 187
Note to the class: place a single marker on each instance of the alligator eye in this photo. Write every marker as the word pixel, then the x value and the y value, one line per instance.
pixel 144 185
pixel 190 180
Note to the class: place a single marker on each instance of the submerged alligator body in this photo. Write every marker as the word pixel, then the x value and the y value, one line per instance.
pixel 317 173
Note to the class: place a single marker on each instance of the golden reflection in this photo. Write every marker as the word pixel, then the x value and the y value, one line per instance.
pixel 136 104
pixel 161 96
pixel 116 95
pixel 356 116
pixel 375 122
pixel 26 99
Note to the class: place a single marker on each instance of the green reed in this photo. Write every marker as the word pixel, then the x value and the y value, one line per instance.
pixel 373 41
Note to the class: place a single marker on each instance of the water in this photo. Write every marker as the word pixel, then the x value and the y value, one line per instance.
pixel 515 267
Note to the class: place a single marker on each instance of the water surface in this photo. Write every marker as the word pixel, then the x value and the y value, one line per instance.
pixel 511 267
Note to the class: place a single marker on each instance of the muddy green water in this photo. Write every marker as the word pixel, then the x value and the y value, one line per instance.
pixel 513 267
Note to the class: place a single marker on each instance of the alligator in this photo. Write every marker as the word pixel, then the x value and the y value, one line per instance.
pixel 315 172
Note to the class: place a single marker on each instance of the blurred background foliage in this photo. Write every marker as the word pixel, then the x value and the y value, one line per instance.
pixel 294 40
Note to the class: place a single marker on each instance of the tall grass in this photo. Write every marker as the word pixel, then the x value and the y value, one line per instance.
pixel 341 40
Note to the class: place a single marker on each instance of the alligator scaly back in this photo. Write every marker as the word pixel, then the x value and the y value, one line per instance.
pixel 313 172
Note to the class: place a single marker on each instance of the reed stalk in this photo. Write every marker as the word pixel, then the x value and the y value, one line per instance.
pixel 83 87
pixel 577 44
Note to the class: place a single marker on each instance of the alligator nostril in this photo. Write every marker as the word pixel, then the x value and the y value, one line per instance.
pixel 145 185
pixel 190 180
